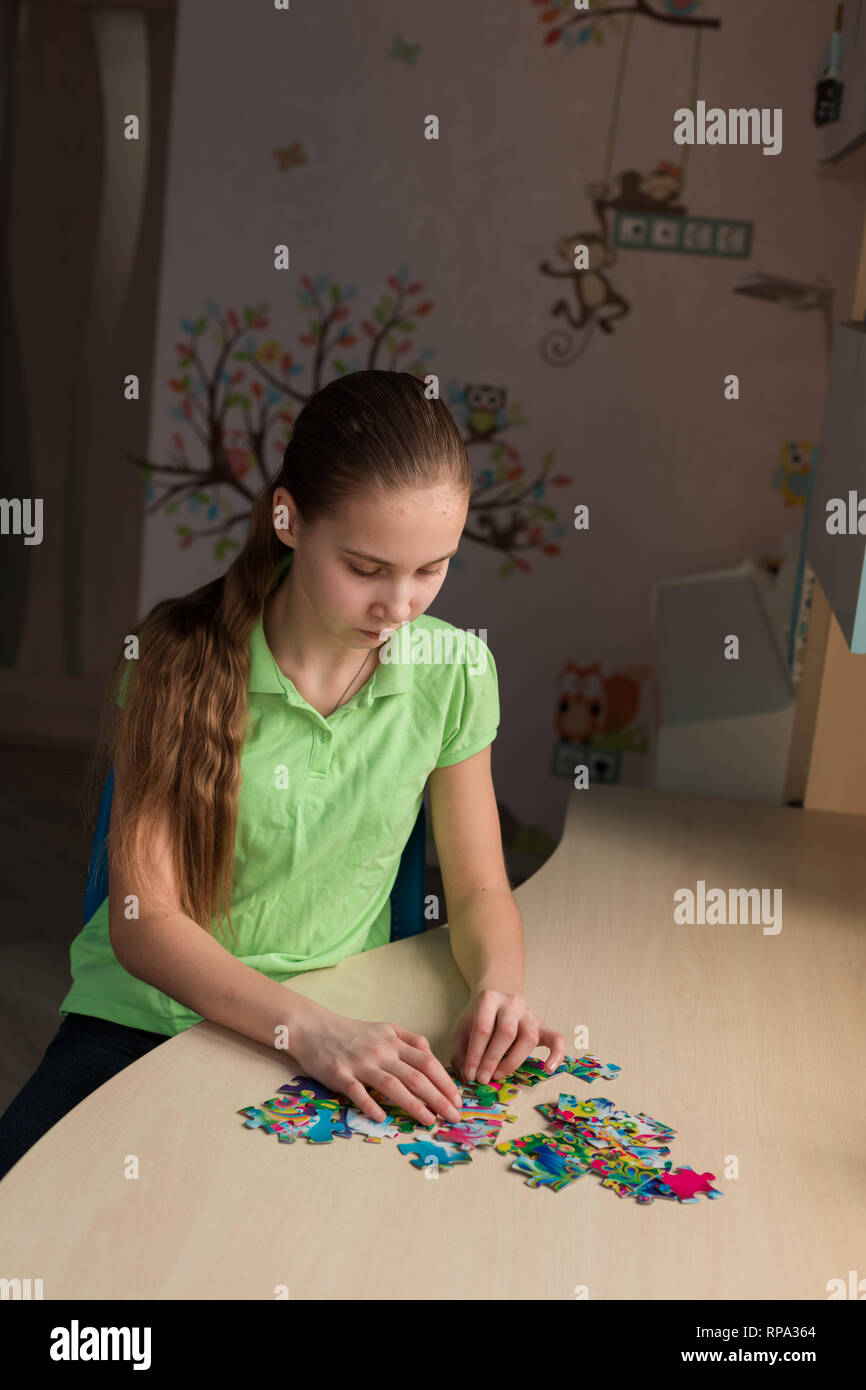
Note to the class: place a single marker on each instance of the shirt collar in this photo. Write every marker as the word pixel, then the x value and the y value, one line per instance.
pixel 389 678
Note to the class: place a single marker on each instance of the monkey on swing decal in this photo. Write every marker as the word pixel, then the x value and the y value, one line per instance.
pixel 631 210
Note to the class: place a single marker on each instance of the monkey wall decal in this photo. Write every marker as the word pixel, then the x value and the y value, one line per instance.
pixel 596 302
pixel 655 192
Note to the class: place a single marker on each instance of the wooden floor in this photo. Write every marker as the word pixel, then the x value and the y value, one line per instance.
pixel 43 872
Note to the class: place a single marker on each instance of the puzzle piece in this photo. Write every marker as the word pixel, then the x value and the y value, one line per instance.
pixel 427 1154
pixel 490 1092
pixel 530 1072
pixel 271 1122
pixel 325 1126
pixel 374 1131
pixel 308 1089
pixel 570 1108
pixel 256 1118
pixel 473 1110
pixel 549 1165
pixel 651 1158
pixel 588 1068
pixel 582 1151
pixel 288 1109
pixel 685 1182
pixel 527 1143
pixel 405 1122
pixel 653 1187
pixel 655 1127
pixel 624 1170
pixel 468 1134
pixel 594 1108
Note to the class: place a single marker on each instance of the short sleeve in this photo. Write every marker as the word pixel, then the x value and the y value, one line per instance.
pixel 473 712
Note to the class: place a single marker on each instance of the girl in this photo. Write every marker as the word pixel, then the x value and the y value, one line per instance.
pixel 270 761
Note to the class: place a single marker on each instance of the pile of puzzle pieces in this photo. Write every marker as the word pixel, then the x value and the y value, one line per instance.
pixel 628 1152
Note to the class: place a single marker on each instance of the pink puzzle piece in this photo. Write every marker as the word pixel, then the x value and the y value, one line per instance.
pixel 685 1182
pixel 469 1134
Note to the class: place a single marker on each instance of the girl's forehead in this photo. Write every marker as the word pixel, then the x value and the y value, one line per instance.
pixel 367 521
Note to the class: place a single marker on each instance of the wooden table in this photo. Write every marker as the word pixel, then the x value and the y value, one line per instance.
pixel 750 1045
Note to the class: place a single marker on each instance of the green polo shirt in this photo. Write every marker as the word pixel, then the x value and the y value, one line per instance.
pixel 325 809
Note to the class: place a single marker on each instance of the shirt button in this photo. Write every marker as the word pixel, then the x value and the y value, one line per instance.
pixel 323 736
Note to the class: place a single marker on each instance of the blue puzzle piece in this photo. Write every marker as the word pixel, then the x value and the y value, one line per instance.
pixel 256 1119
pixel 326 1124
pixel 428 1154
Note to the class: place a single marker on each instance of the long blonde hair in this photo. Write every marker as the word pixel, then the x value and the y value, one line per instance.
pixel 176 744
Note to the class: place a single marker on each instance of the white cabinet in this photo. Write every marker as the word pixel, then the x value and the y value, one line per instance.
pixel 724 725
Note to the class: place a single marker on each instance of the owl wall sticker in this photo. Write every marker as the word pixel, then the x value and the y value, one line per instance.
pixel 793 476
pixel 486 406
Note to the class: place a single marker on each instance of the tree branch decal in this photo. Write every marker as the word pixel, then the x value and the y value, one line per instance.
pixel 264 385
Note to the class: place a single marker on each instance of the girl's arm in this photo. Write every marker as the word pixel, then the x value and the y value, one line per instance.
pixel 171 952
pixel 483 918
pixel 167 949
pixel 497 1030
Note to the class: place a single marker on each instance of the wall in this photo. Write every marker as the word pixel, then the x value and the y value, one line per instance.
pixel 677 478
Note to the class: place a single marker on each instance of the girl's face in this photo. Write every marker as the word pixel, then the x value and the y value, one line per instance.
pixel 379 565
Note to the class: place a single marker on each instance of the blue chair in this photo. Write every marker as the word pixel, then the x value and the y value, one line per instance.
pixel 407 895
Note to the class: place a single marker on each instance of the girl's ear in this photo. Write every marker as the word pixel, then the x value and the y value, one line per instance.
pixel 283 511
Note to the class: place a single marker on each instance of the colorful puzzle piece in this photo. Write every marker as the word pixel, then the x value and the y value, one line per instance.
pixel 374 1131
pixel 490 1092
pixel 306 1088
pixel 549 1165
pixel 468 1134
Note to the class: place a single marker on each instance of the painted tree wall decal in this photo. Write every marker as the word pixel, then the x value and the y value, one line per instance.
pixel 241 410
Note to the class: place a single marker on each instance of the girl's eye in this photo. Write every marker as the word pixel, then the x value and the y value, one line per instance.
pixel 371 574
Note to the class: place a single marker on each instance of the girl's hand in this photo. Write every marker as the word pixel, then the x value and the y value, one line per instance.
pixel 496 1032
pixel 349 1054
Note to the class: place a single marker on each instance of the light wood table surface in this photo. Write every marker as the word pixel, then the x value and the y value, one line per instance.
pixel 749 1045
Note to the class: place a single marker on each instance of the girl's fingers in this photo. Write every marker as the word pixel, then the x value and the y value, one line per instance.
pixel 524 1045
pixel 547 1037
pixel 414 1039
pixel 428 1079
pixel 433 1069
pixel 416 1076
pixel 479 1038
pixel 504 1035
pixel 388 1084
pixel 418 1053
pixel 355 1091
pixel 508 1049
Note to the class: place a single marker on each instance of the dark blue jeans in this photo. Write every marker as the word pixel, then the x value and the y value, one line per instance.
pixel 83 1053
